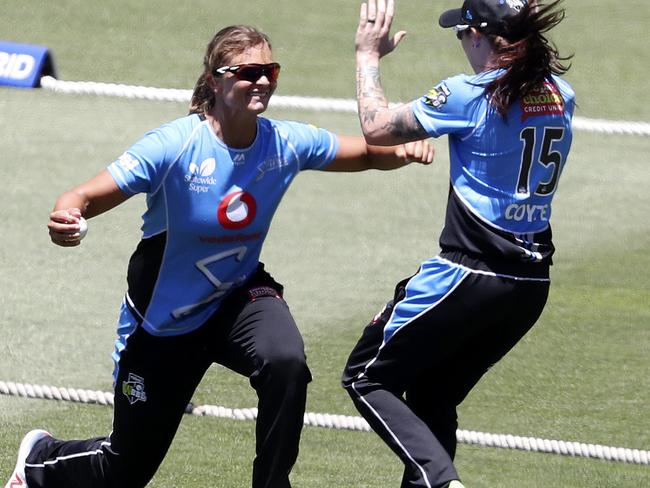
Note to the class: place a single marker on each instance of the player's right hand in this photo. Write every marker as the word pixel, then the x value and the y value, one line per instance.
pixel 64 227
pixel 373 33
pixel 421 152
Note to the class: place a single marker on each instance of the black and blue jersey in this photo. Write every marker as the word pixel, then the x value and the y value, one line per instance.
pixel 504 170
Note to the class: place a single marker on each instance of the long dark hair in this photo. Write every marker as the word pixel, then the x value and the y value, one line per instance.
pixel 225 44
pixel 527 56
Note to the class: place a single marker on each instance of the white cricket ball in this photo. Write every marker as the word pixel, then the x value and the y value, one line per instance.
pixel 83 228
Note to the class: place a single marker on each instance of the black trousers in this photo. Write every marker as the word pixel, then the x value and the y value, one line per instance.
pixel 409 386
pixel 254 334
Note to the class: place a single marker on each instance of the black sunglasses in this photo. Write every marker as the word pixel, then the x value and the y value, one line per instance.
pixel 251 72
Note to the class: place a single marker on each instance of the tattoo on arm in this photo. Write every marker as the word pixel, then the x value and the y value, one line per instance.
pixel 370 94
pixel 404 126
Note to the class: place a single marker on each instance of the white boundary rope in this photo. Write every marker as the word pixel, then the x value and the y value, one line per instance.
pixel 294 102
pixel 343 422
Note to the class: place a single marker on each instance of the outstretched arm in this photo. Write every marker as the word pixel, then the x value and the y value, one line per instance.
pixel 354 154
pixel 380 124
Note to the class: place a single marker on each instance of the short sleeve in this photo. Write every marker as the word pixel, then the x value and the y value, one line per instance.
pixel 452 106
pixel 142 167
pixel 315 148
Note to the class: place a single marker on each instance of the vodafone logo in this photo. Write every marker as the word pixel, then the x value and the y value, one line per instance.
pixel 237 210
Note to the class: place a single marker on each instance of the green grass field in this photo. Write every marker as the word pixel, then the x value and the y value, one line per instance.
pixel 338 242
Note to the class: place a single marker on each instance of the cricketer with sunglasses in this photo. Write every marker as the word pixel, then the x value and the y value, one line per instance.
pixel 197 293
pixel 509 131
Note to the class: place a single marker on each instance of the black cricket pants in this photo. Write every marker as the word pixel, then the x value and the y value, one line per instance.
pixel 254 334
pixel 408 388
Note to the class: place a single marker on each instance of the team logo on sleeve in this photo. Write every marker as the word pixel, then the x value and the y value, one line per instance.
pixel 237 209
pixel 546 100
pixel 128 162
pixel 437 96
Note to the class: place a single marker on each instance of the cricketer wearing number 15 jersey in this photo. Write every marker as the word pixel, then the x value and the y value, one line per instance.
pixel 496 208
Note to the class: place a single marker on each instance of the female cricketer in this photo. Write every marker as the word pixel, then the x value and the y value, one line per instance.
pixel 509 131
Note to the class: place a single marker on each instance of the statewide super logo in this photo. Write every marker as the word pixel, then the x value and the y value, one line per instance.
pixel 437 96
pixel 200 176
pixel 544 101
pixel 237 209
pixel 205 169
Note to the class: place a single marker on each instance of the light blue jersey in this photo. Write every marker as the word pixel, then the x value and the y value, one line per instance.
pixel 209 208
pixel 504 171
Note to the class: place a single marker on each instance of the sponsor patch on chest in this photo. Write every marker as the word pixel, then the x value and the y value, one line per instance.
pixel 199 178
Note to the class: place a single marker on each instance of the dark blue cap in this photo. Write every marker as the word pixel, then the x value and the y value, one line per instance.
pixel 491 15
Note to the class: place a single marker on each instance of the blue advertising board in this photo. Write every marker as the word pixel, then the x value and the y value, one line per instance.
pixel 24 64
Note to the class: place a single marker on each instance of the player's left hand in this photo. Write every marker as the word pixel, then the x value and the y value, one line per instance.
pixel 416 152
pixel 373 34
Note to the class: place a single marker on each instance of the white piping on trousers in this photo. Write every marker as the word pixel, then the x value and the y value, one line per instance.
pixel 420 468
